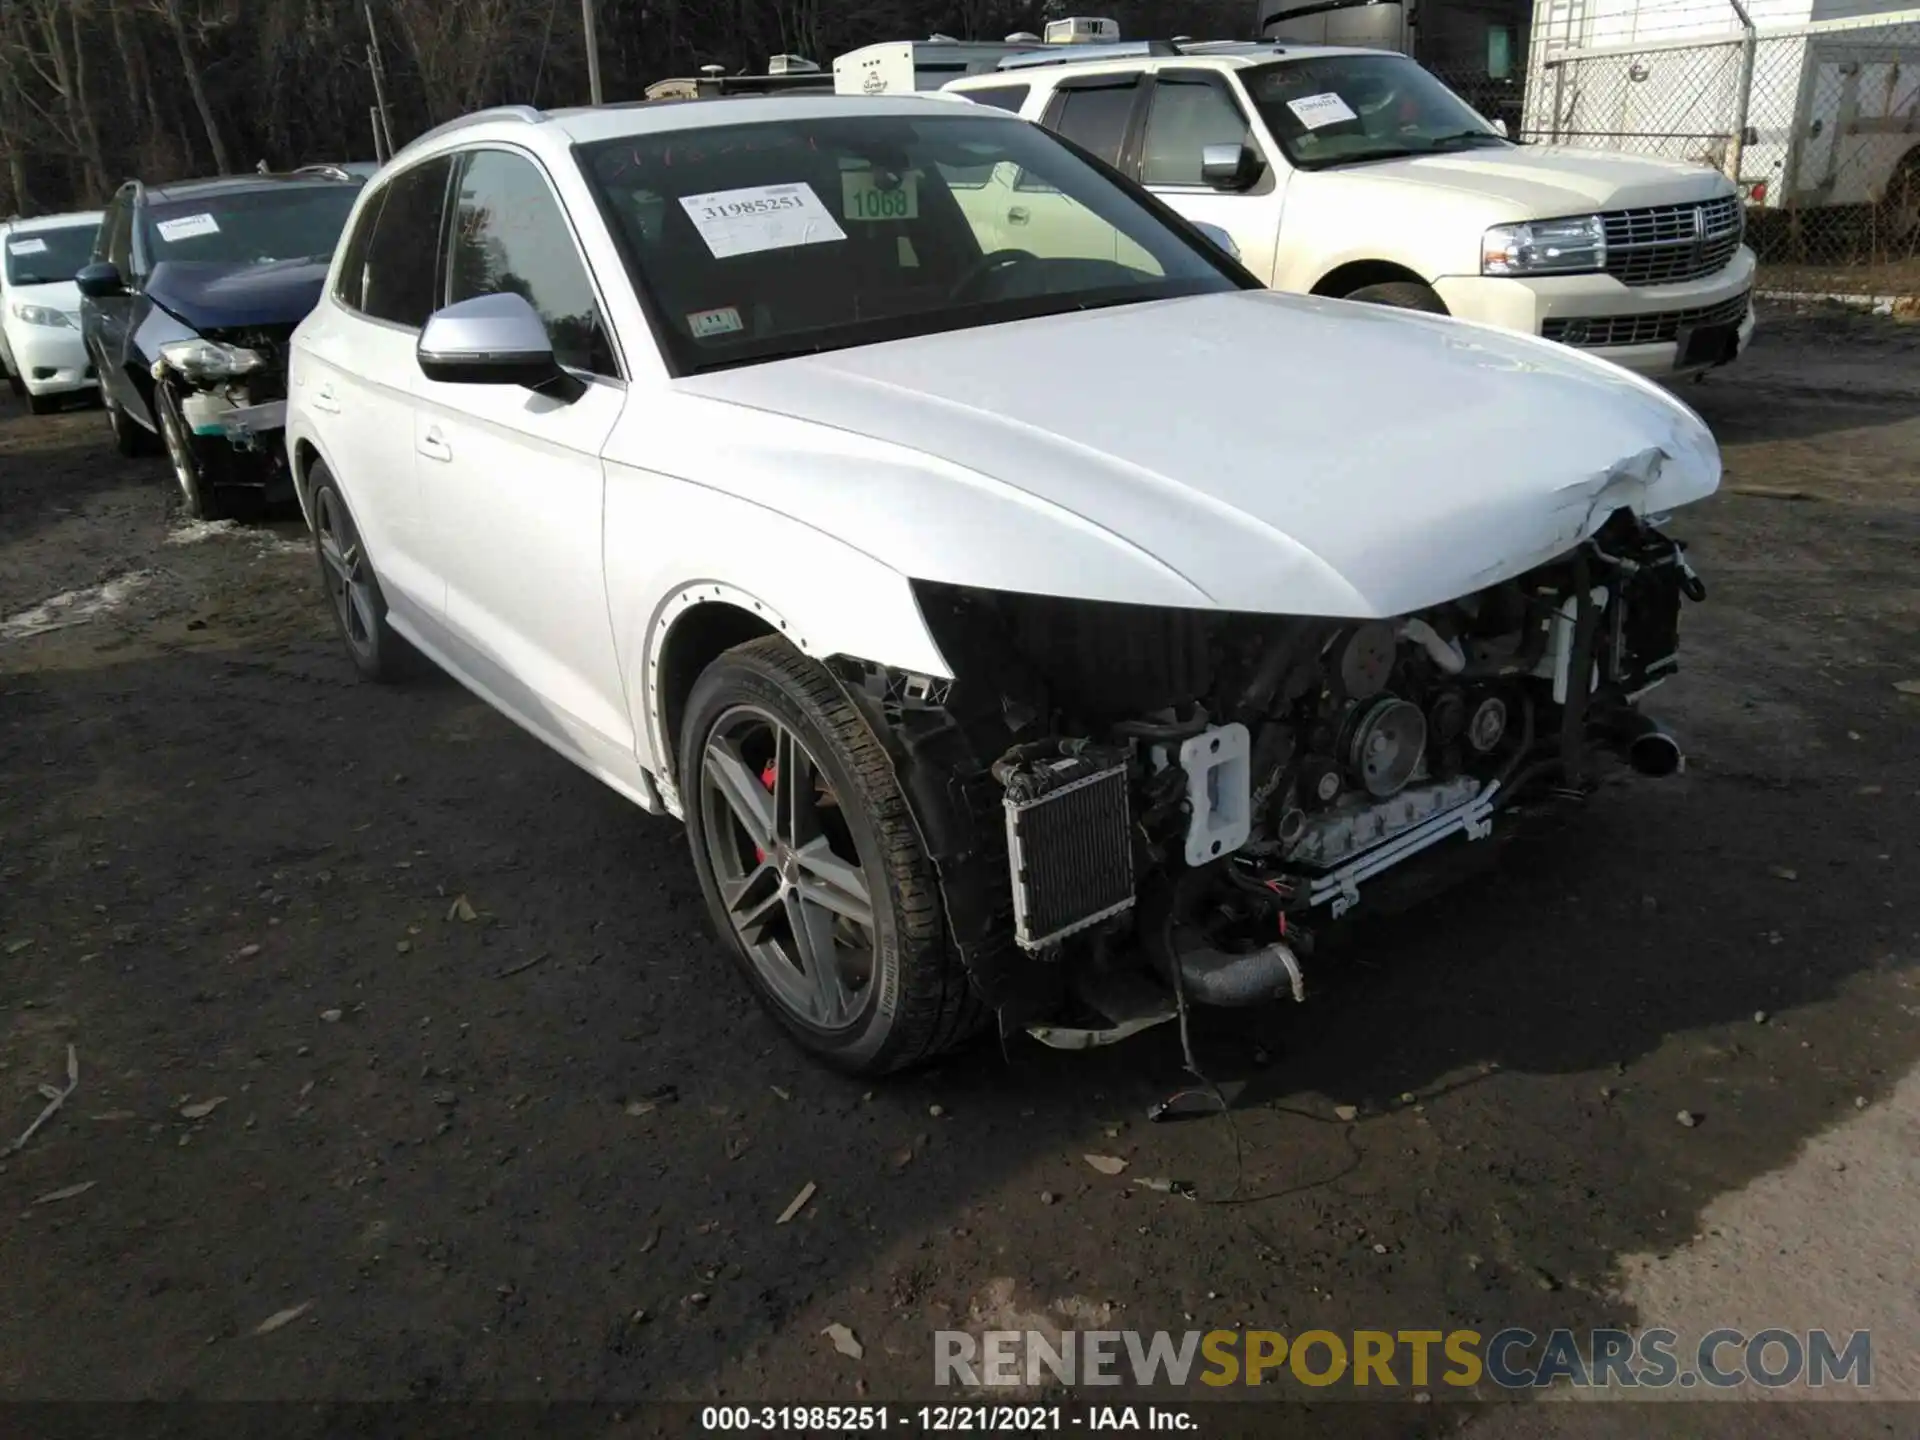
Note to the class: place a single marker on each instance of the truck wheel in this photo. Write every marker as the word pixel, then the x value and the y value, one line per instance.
pixel 1402 295
pixel 198 497
pixel 15 383
pixel 811 867
pixel 1900 207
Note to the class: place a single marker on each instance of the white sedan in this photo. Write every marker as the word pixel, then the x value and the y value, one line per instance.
pixel 1019 635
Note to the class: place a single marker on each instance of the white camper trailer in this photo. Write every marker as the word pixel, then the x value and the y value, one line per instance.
pixel 902 67
pixel 1831 117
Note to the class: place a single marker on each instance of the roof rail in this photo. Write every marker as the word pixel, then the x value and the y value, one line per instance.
pixel 1090 50
pixel 479 117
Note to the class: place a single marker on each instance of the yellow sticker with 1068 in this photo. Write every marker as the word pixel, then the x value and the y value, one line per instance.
pixel 864 196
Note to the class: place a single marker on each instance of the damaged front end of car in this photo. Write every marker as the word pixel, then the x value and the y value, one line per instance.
pixel 221 403
pixel 1136 808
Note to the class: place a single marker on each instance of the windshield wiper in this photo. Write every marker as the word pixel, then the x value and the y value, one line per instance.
pixel 1361 157
pixel 1466 135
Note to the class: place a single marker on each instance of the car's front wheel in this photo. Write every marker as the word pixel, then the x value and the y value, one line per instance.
pixel 812 869
pixel 130 438
pixel 353 591
pixel 199 498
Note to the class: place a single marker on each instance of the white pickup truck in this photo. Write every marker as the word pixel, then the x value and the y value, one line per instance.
pixel 1357 174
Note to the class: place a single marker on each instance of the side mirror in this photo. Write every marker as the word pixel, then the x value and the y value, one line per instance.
pixel 1218 236
pixel 100 280
pixel 1230 167
pixel 489 340
pixel 1500 128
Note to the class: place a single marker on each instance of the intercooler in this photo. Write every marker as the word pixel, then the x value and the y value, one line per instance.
pixel 1070 848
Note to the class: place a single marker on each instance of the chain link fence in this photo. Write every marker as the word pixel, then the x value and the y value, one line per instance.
pixel 1819 125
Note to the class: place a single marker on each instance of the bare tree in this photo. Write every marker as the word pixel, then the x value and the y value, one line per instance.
pixel 197 85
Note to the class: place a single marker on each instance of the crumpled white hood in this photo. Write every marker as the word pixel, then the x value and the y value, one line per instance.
pixel 1280 454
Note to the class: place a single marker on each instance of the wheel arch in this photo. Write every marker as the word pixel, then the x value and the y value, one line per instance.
pixel 1344 279
pixel 695 627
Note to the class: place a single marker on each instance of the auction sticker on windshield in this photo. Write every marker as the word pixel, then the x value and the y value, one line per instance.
pixel 27 247
pixel 866 195
pixel 186 227
pixel 705 323
pixel 1317 111
pixel 761 217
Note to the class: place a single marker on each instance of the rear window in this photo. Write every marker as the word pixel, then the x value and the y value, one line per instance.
pixel 1000 97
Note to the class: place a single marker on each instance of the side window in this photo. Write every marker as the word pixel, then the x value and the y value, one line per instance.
pixel 397 271
pixel 1001 97
pixel 1095 117
pixel 351 288
pixel 510 235
pixel 1186 116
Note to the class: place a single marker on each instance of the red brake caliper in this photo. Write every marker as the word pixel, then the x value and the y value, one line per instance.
pixel 767 777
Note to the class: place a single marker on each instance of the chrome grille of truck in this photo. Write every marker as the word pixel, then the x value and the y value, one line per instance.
pixel 1665 244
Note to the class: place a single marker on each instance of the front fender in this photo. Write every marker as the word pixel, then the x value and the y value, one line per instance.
pixel 673 546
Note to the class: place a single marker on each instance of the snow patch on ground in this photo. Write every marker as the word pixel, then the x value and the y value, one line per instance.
pixel 192 532
pixel 75 607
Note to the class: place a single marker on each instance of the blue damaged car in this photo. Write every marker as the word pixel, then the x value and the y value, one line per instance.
pixel 186 309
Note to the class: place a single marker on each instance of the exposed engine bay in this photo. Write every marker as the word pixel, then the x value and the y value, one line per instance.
pixel 1103 785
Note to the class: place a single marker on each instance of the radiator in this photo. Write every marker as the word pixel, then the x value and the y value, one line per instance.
pixel 1069 847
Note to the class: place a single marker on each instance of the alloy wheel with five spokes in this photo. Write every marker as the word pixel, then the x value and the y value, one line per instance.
pixel 789 875
pixel 348 580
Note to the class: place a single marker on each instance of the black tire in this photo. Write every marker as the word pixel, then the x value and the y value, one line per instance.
pixel 195 492
pixel 915 1001
pixel 42 404
pixel 1899 209
pixel 15 383
pixel 130 438
pixel 374 647
pixel 1402 295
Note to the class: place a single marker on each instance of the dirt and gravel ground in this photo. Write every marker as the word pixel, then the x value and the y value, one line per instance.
pixel 540 1152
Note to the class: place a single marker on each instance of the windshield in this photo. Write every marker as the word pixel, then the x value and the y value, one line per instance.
pixel 786 237
pixel 1342 109
pixel 47 257
pixel 251 227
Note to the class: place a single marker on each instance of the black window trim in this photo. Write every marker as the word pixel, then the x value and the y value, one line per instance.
pixel 371 208
pixel 444 273
pixel 1184 75
pixel 382 190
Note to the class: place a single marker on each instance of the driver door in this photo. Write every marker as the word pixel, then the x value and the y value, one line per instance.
pixel 1186 111
pixel 1099 113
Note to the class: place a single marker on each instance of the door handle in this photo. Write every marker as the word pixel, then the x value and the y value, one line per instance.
pixel 323 400
pixel 1018 215
pixel 434 445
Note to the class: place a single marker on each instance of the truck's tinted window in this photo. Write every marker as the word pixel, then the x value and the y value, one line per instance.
pixel 509 235
pixel 1185 117
pixel 398 272
pixel 1096 119
pixel 1000 97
